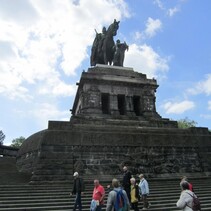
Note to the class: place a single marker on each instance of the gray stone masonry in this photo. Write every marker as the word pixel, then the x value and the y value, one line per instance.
pixel 117 93
pixel 115 123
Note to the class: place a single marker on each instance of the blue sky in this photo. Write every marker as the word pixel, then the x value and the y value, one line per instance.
pixel 45 45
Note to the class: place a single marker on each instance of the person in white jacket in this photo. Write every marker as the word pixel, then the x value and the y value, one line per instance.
pixel 144 187
pixel 186 197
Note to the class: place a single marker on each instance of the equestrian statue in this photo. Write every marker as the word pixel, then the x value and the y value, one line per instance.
pixel 104 50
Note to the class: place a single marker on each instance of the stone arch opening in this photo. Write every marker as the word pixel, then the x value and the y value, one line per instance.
pixel 136 105
pixel 105 102
pixel 121 104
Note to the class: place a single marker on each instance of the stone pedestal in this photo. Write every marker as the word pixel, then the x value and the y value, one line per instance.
pixel 116 92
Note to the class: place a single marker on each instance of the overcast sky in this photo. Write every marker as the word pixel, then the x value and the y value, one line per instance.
pixel 45 45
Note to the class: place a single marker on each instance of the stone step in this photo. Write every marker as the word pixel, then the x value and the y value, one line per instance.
pixel 67 196
pixel 69 201
pixel 5 200
pixel 164 207
pixel 38 195
pixel 153 185
pixel 89 192
pixel 66 207
pixel 89 189
pixel 41 208
pixel 87 205
pixel 87 200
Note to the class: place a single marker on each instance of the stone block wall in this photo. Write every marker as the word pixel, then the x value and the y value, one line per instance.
pixel 114 123
pixel 97 151
pixel 152 161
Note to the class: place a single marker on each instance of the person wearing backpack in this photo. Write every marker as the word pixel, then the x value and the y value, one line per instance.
pixel 78 190
pixel 134 194
pixel 117 198
pixel 188 200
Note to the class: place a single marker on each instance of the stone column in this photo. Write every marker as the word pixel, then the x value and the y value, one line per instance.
pixel 91 101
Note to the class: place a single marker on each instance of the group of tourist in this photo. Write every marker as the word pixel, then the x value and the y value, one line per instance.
pixel 127 196
pixel 134 191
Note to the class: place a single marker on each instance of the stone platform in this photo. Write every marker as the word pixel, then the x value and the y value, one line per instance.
pixel 103 150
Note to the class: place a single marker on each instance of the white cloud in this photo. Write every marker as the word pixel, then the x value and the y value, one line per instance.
pixel 178 107
pixel 138 35
pixel 152 26
pixel 169 11
pixel 159 4
pixel 172 11
pixel 10 85
pixel 41 113
pixel 145 60
pixel 19 11
pixel 42 40
pixel 6 50
pixel 46 111
pixel 201 87
pixel 209 104
pixel 57 88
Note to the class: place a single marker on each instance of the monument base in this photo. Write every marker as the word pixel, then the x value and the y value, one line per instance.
pixel 115 123
pixel 99 150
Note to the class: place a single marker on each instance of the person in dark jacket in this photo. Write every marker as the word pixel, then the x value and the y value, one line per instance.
pixel 126 181
pixel 78 190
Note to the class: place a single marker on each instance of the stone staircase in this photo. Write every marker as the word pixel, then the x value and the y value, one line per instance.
pixel 163 195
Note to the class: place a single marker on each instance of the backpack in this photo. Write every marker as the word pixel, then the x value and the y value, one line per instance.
pixel 196 203
pixel 120 202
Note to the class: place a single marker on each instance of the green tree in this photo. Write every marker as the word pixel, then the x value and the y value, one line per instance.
pixel 17 142
pixel 2 137
pixel 186 123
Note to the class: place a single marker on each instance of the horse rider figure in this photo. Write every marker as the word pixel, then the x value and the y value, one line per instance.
pixel 97 47
pixel 102 51
pixel 108 44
